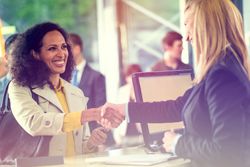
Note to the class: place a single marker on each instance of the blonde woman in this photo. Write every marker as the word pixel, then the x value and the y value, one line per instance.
pixel 216 110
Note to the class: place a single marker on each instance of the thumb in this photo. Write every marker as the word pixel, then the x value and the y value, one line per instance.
pixel 103 110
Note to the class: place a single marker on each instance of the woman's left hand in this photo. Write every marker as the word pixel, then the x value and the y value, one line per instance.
pixel 168 140
pixel 98 137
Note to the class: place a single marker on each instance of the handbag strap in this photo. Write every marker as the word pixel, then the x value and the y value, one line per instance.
pixel 5 98
pixel 6 101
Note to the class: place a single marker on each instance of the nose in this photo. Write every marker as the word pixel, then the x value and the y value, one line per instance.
pixel 61 52
pixel 188 38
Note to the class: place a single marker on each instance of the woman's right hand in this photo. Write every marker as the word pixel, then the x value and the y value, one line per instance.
pixel 109 115
pixel 112 115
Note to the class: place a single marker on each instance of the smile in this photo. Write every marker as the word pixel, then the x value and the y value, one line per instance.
pixel 59 62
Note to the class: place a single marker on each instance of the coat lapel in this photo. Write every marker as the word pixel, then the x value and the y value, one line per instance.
pixel 47 93
pixel 76 101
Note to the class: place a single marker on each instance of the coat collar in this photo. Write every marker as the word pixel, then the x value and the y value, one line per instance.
pixel 49 94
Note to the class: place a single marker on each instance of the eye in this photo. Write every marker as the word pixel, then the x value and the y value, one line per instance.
pixel 53 48
pixel 64 46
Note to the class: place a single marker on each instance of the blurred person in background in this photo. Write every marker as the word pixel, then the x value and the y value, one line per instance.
pixel 5 63
pixel 3 67
pixel 172 46
pixel 92 83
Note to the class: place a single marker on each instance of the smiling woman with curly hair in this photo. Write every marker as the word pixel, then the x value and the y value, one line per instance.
pixel 42 63
pixel 28 70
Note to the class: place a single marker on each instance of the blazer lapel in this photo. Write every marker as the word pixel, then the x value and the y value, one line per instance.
pixel 47 93
pixel 85 76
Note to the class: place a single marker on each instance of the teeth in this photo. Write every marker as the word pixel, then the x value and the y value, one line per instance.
pixel 59 62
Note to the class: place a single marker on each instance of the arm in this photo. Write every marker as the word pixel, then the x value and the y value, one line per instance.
pixel 36 121
pixel 30 115
pixel 225 95
pixel 74 120
pixel 157 112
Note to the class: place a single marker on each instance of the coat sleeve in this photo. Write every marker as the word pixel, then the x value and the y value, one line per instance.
pixel 225 96
pixel 158 112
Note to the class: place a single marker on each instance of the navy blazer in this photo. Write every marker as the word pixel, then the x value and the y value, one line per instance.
pixel 92 84
pixel 215 113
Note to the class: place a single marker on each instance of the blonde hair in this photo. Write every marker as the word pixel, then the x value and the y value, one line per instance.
pixel 217 23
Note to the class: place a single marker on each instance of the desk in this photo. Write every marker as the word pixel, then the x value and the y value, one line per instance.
pixel 79 160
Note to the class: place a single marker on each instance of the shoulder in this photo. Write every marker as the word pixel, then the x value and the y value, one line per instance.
pixel 93 72
pixel 228 63
pixel 227 70
pixel 13 87
pixel 18 93
pixel 160 65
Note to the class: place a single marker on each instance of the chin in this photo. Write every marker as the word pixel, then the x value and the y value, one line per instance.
pixel 59 72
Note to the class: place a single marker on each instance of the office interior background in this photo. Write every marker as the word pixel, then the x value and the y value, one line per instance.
pixel 115 32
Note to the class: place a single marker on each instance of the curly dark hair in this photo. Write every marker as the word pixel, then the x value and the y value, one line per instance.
pixel 28 71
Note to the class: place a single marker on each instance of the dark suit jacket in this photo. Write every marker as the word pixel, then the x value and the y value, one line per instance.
pixel 216 114
pixel 92 84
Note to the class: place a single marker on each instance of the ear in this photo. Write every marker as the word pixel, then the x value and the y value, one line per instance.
pixel 78 49
pixel 168 47
pixel 35 55
pixel 165 47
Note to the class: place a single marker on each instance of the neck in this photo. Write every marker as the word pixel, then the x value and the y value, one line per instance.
pixel 170 60
pixel 54 79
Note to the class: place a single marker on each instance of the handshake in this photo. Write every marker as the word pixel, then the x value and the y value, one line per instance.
pixel 109 115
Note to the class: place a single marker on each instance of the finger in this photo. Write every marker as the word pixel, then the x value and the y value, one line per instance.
pixel 107 124
pixel 100 131
pixel 103 110
pixel 103 123
pixel 116 121
pixel 117 116
pixel 100 137
pixel 113 116
pixel 93 140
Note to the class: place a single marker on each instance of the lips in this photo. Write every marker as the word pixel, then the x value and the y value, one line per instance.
pixel 59 63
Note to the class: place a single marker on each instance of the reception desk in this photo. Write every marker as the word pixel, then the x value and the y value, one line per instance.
pixel 82 160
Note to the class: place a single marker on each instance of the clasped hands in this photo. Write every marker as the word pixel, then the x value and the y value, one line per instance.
pixel 112 115
pixel 109 115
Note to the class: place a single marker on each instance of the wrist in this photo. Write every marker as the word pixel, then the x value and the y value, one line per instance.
pixel 91 115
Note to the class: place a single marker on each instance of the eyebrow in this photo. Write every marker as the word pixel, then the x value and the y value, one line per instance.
pixel 56 44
